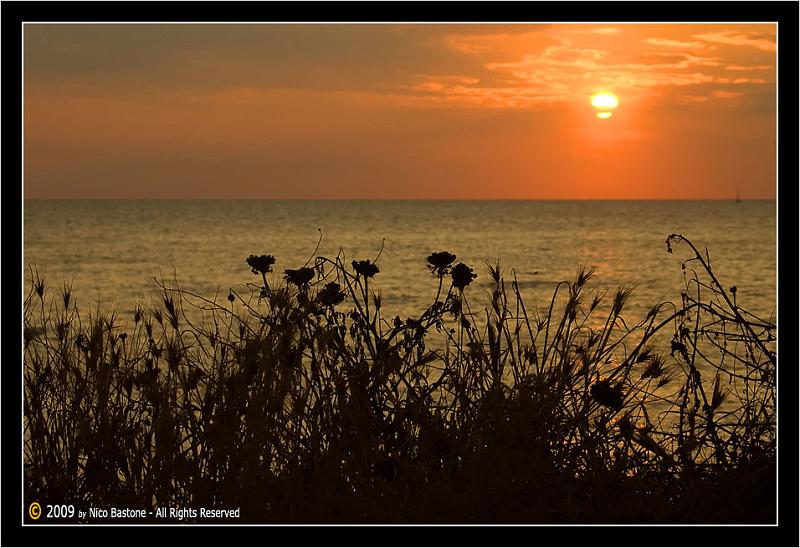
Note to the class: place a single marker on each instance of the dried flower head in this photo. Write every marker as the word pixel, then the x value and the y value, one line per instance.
pixel 261 263
pixel 365 268
pixel 462 276
pixel 331 294
pixel 439 263
pixel 300 277
pixel 606 394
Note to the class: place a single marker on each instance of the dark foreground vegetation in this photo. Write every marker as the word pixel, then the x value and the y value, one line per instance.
pixel 301 403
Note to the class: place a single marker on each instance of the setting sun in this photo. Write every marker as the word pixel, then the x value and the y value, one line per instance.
pixel 604 101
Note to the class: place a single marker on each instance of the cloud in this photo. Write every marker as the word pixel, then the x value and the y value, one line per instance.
pixel 545 69
pixel 605 30
pixel 579 70
pixel 663 42
pixel 732 38
pixel 440 83
pixel 598 31
pixel 558 75
pixel 498 42
pixel 748 68
pixel 740 80
pixel 449 90
pixel 722 94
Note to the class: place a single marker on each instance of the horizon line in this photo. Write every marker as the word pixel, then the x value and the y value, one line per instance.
pixel 267 199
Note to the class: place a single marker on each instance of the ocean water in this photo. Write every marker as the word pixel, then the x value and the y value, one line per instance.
pixel 111 250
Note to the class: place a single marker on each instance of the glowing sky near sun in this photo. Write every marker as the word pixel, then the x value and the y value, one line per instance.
pixel 399 111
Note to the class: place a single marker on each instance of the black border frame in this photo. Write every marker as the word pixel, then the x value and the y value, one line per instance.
pixel 786 13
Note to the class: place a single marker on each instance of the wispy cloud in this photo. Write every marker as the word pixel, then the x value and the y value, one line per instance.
pixel 748 68
pixel 556 67
pixel 443 82
pixel 597 31
pixel 664 42
pixel 577 66
pixel 740 80
pixel 477 44
pixel 439 90
pixel 732 38
pixel 559 73
pixel 722 94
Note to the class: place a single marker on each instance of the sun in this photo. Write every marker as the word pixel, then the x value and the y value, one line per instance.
pixel 604 103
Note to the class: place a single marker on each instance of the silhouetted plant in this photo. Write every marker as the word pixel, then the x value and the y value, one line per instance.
pixel 331 294
pixel 365 268
pixel 439 263
pixel 608 395
pixel 304 404
pixel 462 276
pixel 260 264
pixel 300 277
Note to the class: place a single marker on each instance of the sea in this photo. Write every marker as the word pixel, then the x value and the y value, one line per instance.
pixel 111 251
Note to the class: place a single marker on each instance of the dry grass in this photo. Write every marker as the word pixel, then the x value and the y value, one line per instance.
pixel 302 403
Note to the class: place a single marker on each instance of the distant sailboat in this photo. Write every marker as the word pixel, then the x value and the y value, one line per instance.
pixel 738 193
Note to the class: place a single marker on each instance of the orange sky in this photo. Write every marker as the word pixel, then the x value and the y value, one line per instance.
pixel 399 111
